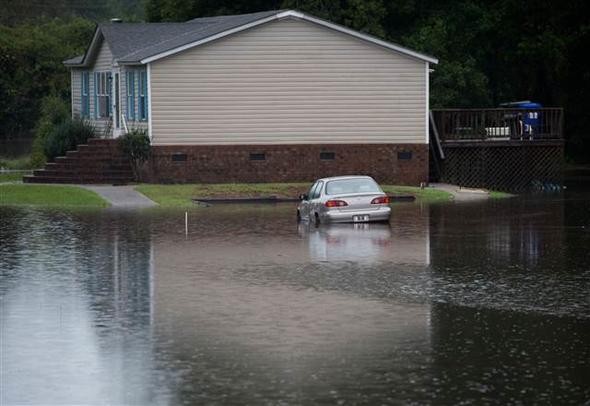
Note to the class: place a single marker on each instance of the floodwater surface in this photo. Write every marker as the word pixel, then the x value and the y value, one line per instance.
pixel 455 303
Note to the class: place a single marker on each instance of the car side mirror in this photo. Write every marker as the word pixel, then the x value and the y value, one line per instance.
pixel 303 196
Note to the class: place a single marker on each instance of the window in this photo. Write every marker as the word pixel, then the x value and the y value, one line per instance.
pixel 102 94
pixel 404 155
pixel 354 185
pixel 327 156
pixel 179 157
pixel 143 99
pixel 85 110
pixel 257 156
pixel 131 95
pixel 317 191
pixel 311 190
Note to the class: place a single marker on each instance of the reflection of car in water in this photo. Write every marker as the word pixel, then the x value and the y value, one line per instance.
pixel 347 242
pixel 344 199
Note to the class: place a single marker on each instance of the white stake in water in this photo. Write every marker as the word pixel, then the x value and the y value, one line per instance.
pixel 186 223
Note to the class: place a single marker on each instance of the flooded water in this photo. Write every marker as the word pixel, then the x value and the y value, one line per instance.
pixel 471 303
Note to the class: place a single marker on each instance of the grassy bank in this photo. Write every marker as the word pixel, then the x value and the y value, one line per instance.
pixel 18 164
pixel 12 176
pixel 494 194
pixel 182 195
pixel 48 196
pixel 426 195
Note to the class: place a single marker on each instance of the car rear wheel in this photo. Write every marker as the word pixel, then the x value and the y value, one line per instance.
pixel 317 219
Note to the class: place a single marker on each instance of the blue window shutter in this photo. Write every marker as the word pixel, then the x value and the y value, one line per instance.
pixel 95 95
pixel 82 94
pixel 131 95
pixel 85 89
pixel 127 84
pixel 109 93
pixel 140 98
pixel 87 94
pixel 83 97
pixel 146 96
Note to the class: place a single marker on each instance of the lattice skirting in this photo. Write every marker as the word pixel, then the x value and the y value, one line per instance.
pixel 512 167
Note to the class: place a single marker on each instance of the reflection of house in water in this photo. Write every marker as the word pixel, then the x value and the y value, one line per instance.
pixel 121 247
pixel 78 310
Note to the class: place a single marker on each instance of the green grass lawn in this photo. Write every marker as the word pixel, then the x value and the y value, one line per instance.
pixel 18 163
pixel 426 195
pixel 494 194
pixel 12 176
pixel 181 195
pixel 48 196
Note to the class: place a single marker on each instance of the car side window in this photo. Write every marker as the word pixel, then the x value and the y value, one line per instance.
pixel 311 191
pixel 317 191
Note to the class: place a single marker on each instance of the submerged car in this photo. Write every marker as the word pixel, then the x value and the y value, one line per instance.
pixel 344 199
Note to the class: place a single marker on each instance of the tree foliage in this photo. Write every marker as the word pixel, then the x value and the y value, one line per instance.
pixel 31 67
pixel 490 51
pixel 54 111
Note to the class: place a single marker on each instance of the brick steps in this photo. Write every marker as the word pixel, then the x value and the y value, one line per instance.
pixel 97 161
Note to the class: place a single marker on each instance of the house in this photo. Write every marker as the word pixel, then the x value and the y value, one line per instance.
pixel 270 96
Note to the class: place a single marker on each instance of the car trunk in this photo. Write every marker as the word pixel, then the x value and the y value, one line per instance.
pixel 358 201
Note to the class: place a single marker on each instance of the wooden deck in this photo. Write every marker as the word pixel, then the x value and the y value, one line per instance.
pixel 499 124
pixel 514 150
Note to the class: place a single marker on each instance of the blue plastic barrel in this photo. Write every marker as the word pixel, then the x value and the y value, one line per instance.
pixel 531 120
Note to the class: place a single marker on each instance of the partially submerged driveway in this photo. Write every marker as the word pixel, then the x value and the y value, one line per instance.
pixel 121 196
pixel 462 194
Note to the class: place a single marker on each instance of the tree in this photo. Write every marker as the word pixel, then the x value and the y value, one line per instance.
pixel 31 58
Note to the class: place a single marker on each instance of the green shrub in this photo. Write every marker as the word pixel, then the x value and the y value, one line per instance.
pixel 136 145
pixel 15 164
pixel 54 110
pixel 65 136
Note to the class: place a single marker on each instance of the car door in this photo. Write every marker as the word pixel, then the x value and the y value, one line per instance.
pixel 305 207
pixel 315 199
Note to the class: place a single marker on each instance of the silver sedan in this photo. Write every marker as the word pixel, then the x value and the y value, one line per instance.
pixel 344 199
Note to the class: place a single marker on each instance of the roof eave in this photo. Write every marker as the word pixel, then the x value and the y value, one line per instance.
pixel 88 51
pixel 302 16
pixel 367 37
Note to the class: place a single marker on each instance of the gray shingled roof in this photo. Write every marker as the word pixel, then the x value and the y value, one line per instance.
pixel 200 28
pixel 132 42
pixel 76 60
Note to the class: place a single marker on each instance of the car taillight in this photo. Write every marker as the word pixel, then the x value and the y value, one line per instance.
pixel 335 203
pixel 380 200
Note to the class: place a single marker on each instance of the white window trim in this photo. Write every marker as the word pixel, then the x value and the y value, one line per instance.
pixel 103 80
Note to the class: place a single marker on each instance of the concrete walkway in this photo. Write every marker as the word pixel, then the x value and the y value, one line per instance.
pixel 462 194
pixel 121 196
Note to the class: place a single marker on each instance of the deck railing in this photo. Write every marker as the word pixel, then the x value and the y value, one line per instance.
pixel 499 124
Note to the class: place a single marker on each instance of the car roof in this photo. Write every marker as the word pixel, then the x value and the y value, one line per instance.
pixel 345 177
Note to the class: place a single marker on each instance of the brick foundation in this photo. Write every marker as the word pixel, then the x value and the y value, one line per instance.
pixel 404 164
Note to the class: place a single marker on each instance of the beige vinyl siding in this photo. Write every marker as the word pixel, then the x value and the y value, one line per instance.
pixel 102 63
pixel 288 82
pixel 76 93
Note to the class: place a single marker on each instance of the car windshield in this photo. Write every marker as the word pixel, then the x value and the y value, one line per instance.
pixel 344 186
